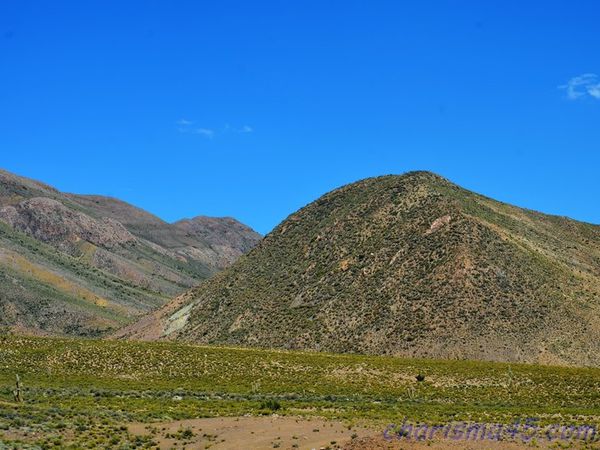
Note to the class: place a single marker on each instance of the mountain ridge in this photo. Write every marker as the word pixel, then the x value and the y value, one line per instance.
pixel 96 259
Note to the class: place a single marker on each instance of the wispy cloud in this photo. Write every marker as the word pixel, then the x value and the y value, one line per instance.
pixel 246 129
pixel 230 129
pixel 207 132
pixel 188 126
pixel 586 85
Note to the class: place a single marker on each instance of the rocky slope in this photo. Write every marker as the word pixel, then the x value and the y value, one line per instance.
pixel 84 264
pixel 227 236
pixel 409 265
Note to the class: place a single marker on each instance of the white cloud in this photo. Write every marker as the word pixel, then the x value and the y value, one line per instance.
pixel 594 91
pixel 245 129
pixel 207 132
pixel 185 126
pixel 586 85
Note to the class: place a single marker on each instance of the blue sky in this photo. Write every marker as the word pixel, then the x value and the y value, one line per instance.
pixel 253 109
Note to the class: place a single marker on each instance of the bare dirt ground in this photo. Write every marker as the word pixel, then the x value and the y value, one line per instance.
pixel 268 432
pixel 378 443
pixel 251 433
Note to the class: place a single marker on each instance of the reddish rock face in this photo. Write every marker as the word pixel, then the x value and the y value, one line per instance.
pixel 50 221
pixel 438 223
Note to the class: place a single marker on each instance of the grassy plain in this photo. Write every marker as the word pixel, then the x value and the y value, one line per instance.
pixel 84 393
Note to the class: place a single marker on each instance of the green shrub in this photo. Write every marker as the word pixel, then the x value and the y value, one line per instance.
pixel 270 404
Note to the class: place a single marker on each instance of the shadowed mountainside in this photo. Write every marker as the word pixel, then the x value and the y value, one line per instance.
pixel 411 265
pixel 85 264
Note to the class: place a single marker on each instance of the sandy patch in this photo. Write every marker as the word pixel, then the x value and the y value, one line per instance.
pixel 251 433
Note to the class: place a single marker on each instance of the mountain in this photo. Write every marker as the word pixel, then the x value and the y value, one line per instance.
pixel 410 265
pixel 227 236
pixel 87 264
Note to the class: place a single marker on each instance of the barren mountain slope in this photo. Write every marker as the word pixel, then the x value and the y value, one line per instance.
pixel 81 264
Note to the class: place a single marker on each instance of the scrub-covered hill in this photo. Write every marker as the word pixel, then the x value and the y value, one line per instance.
pixel 411 265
